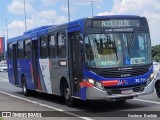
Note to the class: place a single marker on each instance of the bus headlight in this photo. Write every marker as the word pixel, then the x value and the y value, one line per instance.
pixel 151 77
pixel 91 81
pixel 95 83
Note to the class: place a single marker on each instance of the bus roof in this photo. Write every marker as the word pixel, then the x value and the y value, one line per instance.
pixel 37 29
pixel 117 16
pixel 44 29
pixel 32 33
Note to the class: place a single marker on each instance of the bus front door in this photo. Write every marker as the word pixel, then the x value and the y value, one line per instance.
pixel 35 64
pixel 15 63
pixel 76 74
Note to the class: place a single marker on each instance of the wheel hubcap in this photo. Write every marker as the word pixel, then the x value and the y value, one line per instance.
pixel 67 93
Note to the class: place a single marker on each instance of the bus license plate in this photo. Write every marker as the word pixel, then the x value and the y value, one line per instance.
pixel 125 92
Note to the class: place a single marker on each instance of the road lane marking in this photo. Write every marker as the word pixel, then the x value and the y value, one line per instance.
pixel 3 80
pixel 47 106
pixel 148 101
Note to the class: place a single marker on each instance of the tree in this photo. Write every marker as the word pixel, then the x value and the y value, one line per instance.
pixel 156 53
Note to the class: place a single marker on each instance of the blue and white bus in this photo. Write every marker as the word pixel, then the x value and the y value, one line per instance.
pixel 99 58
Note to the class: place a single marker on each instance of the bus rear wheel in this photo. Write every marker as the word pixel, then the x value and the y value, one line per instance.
pixel 67 95
pixel 158 89
pixel 24 87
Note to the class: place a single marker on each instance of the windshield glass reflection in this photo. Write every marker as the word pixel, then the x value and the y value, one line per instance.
pixel 117 50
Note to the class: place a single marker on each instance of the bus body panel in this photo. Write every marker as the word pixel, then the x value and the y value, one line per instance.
pixel 58 72
pixel 10 72
pixel 45 69
pixel 28 74
pixel 41 69
pixel 21 70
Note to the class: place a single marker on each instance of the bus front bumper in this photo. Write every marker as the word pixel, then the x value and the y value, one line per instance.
pixel 94 93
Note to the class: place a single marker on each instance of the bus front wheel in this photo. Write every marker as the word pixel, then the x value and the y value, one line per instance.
pixel 157 86
pixel 24 87
pixel 67 95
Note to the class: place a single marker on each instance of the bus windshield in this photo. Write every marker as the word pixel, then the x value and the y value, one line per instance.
pixel 117 49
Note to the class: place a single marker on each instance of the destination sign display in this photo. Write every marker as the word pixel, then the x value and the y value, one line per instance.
pixel 116 23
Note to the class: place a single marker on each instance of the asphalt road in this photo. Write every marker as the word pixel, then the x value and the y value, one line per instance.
pixel 12 99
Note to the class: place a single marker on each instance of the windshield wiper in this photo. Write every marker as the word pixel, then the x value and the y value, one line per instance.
pixel 131 41
pixel 115 48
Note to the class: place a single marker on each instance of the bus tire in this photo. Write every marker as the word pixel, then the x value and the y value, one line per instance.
pixel 67 95
pixel 24 87
pixel 157 86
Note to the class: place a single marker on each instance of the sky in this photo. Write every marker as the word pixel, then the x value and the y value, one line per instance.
pixel 49 12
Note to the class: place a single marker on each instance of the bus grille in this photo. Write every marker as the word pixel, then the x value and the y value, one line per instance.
pixel 115 90
pixel 124 72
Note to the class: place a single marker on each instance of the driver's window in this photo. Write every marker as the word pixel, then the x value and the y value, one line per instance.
pixel 88 50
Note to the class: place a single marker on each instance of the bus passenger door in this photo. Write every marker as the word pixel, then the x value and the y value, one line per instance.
pixel 15 63
pixel 34 64
pixel 75 56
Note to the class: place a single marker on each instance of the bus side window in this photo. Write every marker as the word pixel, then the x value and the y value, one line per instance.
pixel 10 51
pixel 44 47
pixel 28 49
pixel 61 50
pixel 20 49
pixel 52 46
